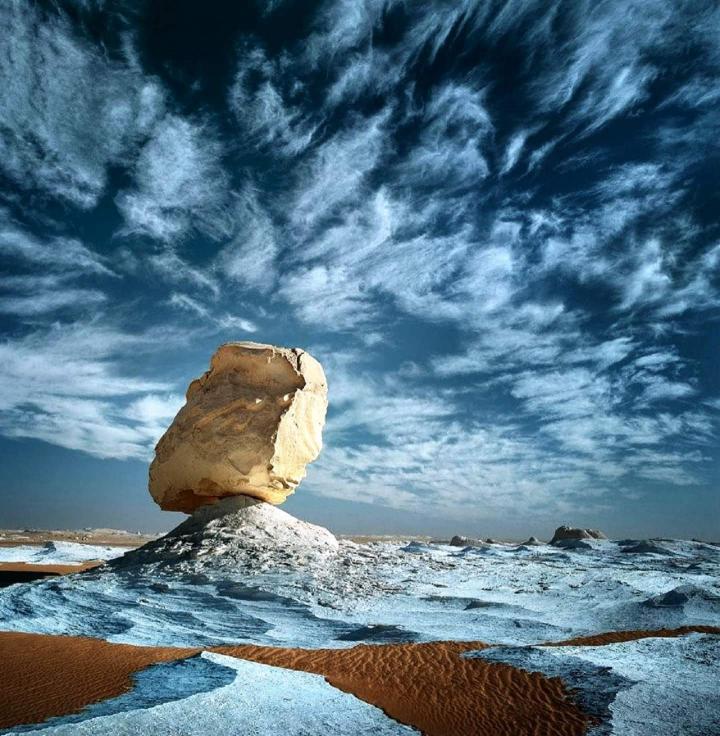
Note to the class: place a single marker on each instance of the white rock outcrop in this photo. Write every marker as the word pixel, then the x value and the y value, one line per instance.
pixel 239 533
pixel 249 427
pixel 570 533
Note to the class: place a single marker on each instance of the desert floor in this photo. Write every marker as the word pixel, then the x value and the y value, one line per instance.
pixel 371 640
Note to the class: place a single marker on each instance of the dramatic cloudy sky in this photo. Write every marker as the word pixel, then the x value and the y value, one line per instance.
pixel 496 224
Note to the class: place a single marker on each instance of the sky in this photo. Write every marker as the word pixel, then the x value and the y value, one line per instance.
pixel 495 223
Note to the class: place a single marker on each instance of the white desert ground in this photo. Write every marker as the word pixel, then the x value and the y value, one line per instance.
pixel 246 620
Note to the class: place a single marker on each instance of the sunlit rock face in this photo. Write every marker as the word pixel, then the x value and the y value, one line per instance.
pixel 571 533
pixel 249 427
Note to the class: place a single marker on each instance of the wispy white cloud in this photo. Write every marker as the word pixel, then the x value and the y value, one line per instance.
pixel 175 270
pixel 698 287
pixel 61 263
pixel 180 184
pixel 647 281
pixel 374 71
pixel 344 25
pixel 456 127
pixel 60 254
pixel 514 150
pixel 336 175
pixel 660 388
pixel 222 321
pixel 440 178
pixel 151 414
pixel 65 385
pixel 66 111
pixel 250 257
pixel 321 294
pixel 267 115
pixel 600 71
pixel 378 250
pixel 50 301
pixel 479 469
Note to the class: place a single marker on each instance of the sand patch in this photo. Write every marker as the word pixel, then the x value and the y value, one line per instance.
pixel 48 569
pixel 98 537
pixel 618 637
pixel 430 686
pixel 26 572
pixel 43 676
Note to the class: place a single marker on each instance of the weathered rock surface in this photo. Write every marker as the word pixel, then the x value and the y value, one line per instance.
pixel 460 541
pixel 682 594
pixel 568 532
pixel 241 532
pixel 249 427
pixel 572 544
pixel 645 546
pixel 532 542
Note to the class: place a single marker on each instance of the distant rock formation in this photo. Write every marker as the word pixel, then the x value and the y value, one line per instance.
pixel 563 533
pixel 249 427
pixel 678 597
pixel 572 544
pixel 532 542
pixel 460 541
pixel 645 547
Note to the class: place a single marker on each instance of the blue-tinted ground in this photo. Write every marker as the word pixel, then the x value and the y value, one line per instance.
pixel 194 591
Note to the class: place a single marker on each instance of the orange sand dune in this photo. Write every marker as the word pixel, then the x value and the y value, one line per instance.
pixel 49 569
pixel 24 572
pixel 429 686
pixel 425 685
pixel 617 637
pixel 43 676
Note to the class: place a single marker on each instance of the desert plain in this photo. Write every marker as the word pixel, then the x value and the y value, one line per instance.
pixel 247 620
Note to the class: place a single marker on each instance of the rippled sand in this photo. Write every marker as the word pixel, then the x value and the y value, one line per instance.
pixel 430 686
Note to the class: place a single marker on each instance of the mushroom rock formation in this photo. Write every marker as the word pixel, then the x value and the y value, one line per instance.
pixel 249 427
pixel 563 533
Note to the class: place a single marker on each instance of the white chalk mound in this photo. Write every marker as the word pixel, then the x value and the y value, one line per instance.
pixel 249 427
pixel 239 531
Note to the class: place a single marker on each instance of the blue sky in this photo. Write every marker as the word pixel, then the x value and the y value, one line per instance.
pixel 494 223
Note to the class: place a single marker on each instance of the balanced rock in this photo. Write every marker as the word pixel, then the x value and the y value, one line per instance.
pixel 563 533
pixel 249 427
